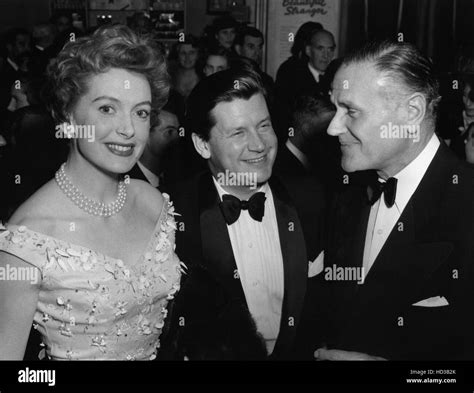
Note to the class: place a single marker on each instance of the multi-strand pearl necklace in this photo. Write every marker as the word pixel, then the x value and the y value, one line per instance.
pixel 85 203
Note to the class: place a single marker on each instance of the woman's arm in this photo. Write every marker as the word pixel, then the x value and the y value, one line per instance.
pixel 18 300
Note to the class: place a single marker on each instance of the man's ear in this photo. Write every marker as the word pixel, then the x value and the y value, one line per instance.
pixel 307 50
pixel 416 108
pixel 238 49
pixel 201 146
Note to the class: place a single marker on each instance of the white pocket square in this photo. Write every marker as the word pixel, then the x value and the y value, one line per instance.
pixel 315 267
pixel 435 301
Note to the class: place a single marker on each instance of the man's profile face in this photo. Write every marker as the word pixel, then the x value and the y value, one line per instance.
pixel 243 140
pixel 164 134
pixel 321 50
pixel 252 48
pixel 362 111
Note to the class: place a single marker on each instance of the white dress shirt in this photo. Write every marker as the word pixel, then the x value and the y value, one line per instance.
pixel 382 219
pixel 257 252
pixel 316 74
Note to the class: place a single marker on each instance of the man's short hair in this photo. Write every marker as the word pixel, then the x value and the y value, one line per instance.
pixel 248 31
pixel 223 86
pixel 314 32
pixel 308 114
pixel 405 64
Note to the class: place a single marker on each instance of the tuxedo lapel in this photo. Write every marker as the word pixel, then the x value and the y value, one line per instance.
pixel 295 265
pixel 409 255
pixel 216 246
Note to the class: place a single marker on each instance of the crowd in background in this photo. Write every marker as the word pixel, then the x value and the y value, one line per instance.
pixel 298 98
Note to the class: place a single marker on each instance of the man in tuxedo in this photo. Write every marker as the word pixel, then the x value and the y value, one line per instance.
pixel 399 260
pixel 245 236
pixel 308 77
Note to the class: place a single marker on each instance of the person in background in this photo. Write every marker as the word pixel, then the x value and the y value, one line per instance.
pixel 43 39
pixel 184 73
pixel 454 121
pixel 160 162
pixel 469 145
pixel 217 59
pixel 309 149
pixel 224 31
pixel 249 45
pixel 300 74
pixel 14 64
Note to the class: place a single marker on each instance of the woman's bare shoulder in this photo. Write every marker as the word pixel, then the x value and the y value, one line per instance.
pixel 147 196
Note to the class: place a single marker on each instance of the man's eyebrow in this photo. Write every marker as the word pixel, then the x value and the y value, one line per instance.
pixel 264 120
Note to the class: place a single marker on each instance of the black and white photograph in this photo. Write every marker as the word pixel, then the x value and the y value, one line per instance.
pixel 237 192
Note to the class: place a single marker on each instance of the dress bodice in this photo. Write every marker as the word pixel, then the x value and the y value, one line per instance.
pixel 92 306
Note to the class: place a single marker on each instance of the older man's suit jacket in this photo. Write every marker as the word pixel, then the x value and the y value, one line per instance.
pixel 428 255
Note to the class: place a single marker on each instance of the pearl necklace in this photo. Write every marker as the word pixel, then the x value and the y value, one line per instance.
pixel 85 203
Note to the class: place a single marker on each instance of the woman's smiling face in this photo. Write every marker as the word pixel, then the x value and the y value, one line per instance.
pixel 117 106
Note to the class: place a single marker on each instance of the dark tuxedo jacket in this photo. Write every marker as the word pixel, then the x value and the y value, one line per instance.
pixel 429 253
pixel 293 79
pixel 287 163
pixel 202 241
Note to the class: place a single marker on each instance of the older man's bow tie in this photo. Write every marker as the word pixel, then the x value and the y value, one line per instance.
pixel 389 190
pixel 231 207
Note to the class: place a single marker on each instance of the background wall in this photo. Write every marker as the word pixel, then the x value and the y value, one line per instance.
pixel 26 13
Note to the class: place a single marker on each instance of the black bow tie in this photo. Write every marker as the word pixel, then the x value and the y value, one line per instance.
pixel 389 190
pixel 231 207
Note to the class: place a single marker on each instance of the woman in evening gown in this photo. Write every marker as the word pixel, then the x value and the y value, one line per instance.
pixel 89 259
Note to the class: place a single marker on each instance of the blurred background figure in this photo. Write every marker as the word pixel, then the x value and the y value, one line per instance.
pixel 297 63
pixel 183 66
pixel 249 45
pixel 62 22
pixel 309 150
pixel 224 31
pixel 17 50
pixel 469 144
pixel 217 59
pixel 43 50
pixel 34 152
pixel 162 159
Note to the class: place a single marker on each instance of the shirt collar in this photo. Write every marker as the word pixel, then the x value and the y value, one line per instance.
pixel 410 177
pixel 221 191
pixel 298 154
pixel 314 72
pixel 13 64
